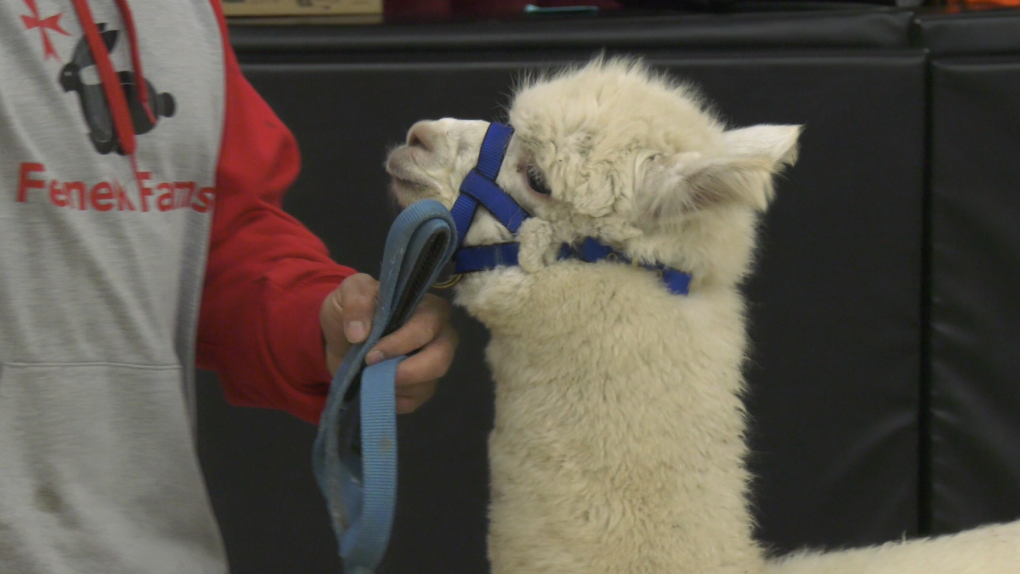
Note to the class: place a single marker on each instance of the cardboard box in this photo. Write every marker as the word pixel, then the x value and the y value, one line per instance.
pixel 301 7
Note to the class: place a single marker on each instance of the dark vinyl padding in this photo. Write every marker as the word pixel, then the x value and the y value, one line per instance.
pixel 975 312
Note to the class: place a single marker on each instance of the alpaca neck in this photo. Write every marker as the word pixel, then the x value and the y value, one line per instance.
pixel 618 421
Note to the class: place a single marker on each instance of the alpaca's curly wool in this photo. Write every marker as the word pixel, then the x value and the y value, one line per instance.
pixel 618 443
pixel 986 550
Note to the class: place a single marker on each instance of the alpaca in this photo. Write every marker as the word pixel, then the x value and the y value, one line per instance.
pixel 986 550
pixel 618 442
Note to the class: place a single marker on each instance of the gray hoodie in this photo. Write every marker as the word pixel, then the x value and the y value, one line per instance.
pixel 103 250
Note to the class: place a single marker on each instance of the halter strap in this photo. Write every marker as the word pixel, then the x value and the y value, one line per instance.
pixel 487 257
pixel 592 250
pixel 479 187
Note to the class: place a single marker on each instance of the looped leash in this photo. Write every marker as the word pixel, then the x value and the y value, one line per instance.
pixel 355 451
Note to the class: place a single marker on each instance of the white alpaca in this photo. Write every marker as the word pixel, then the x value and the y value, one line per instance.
pixel 618 444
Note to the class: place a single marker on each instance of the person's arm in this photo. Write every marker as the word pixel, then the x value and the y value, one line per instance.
pixel 274 323
pixel 267 275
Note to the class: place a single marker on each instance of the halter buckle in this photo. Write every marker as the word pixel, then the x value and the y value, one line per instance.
pixel 449 283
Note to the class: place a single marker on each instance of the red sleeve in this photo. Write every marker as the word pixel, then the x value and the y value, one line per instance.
pixel 267 275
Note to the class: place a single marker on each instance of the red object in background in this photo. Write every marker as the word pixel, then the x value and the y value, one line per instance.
pixel 971 5
pixel 433 8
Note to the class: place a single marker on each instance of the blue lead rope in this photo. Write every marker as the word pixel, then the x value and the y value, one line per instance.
pixel 355 451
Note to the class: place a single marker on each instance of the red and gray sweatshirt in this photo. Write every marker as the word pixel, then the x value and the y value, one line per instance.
pixel 141 233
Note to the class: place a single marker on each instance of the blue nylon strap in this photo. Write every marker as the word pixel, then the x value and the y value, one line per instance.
pixel 355 451
pixel 678 282
pixel 486 192
pixel 480 185
pixel 463 212
pixel 364 543
pixel 485 257
pixel 567 251
pixel 490 157
pixel 592 250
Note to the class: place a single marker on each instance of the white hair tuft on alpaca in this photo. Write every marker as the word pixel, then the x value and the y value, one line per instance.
pixel 618 443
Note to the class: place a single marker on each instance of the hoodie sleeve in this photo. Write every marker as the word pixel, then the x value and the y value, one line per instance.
pixel 266 275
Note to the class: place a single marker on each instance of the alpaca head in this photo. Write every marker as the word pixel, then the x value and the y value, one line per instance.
pixel 615 152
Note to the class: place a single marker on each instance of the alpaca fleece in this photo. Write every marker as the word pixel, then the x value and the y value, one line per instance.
pixel 618 444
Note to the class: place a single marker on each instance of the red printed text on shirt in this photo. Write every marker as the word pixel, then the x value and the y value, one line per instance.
pixel 150 196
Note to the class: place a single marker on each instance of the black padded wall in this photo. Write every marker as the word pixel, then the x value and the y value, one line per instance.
pixel 835 303
pixel 975 383
pixel 974 453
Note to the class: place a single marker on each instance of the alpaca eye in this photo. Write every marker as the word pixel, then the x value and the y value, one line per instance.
pixel 536 181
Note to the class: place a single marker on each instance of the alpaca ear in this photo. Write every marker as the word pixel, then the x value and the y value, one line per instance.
pixel 688 182
pixel 777 143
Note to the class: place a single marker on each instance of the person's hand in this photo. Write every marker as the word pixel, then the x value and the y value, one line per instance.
pixel 346 318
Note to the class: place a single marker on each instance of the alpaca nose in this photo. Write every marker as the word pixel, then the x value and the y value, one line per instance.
pixel 423 135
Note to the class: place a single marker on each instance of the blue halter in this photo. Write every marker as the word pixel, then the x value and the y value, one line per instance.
pixel 480 188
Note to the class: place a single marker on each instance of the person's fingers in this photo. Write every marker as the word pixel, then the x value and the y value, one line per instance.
pixel 346 315
pixel 410 397
pixel 418 375
pixel 426 337
pixel 331 317
pixel 426 324
pixel 430 363
pixel 358 294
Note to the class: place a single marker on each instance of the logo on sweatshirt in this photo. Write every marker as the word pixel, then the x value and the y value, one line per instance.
pixel 144 191
pixel 94 105
pixel 36 185
pixel 45 26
